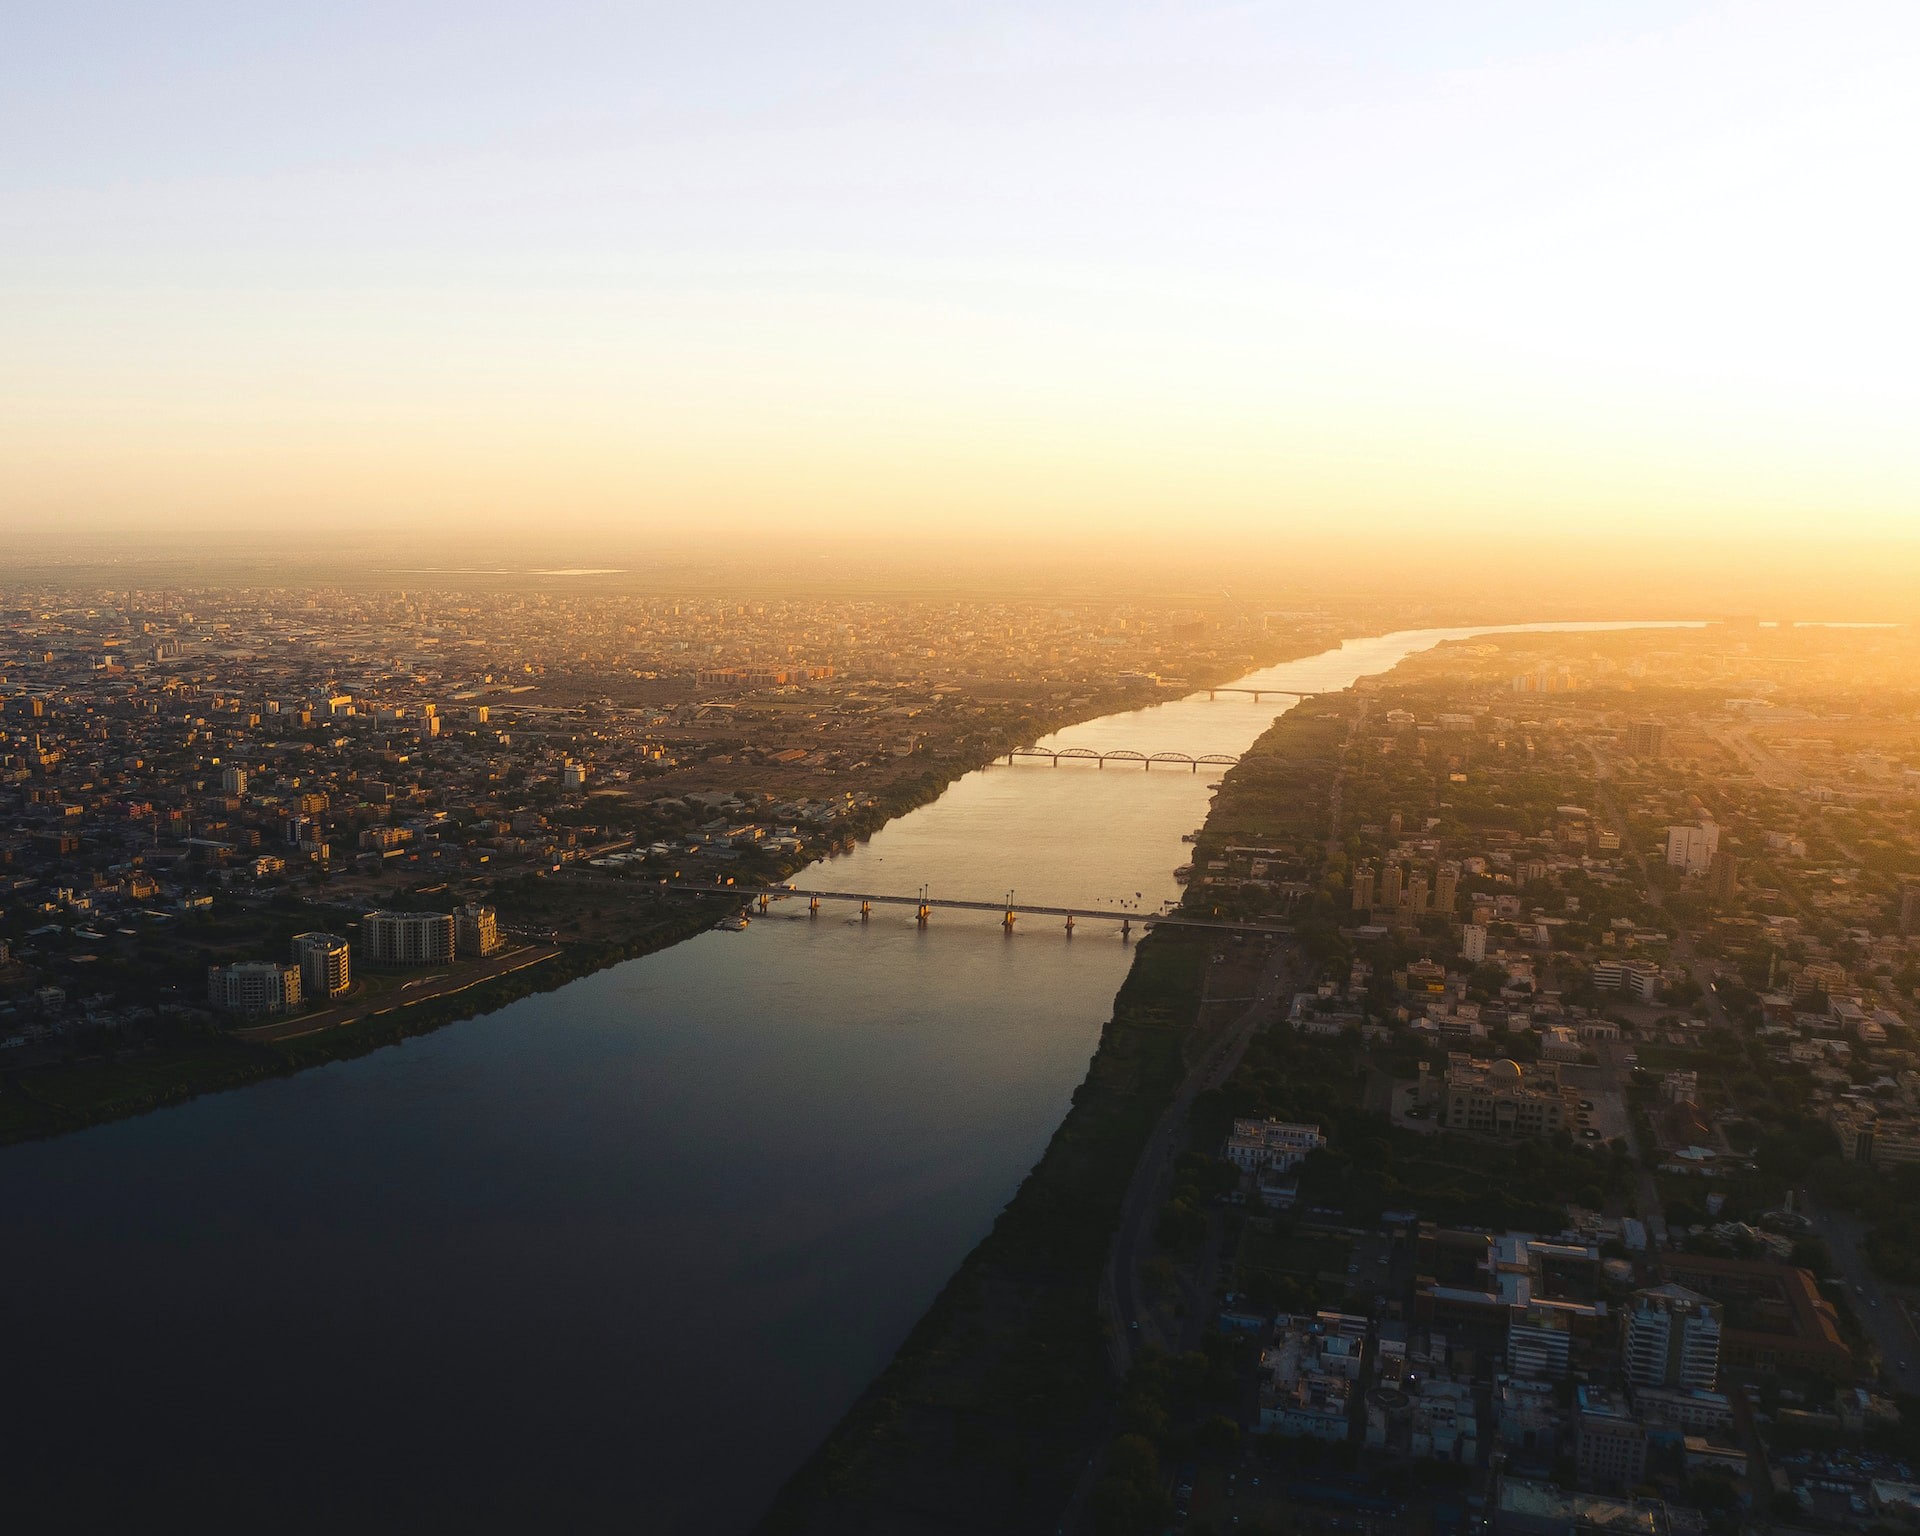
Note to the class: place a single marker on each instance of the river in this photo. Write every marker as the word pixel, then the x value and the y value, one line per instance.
pixel 617 1255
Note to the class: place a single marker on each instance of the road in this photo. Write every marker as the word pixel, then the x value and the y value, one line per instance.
pixel 1122 1296
pixel 441 984
pixel 1881 1314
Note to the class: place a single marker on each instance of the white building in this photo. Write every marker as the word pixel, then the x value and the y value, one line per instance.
pixel 1473 942
pixel 407 938
pixel 1692 848
pixel 325 969
pixel 1279 1144
pixel 1673 1339
pixel 253 987
pixel 233 781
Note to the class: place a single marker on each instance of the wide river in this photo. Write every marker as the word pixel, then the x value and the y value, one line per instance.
pixel 616 1256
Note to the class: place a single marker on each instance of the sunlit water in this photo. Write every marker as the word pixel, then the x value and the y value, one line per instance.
pixel 616 1256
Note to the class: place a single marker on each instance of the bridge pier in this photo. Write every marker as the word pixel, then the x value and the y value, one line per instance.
pixel 925 913
pixel 1069 925
pixel 1007 921
pixel 764 899
pixel 813 907
pixel 1126 927
pixel 866 910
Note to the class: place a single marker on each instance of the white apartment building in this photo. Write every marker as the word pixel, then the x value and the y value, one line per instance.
pixel 325 968
pixel 407 938
pixel 1673 1339
pixel 253 988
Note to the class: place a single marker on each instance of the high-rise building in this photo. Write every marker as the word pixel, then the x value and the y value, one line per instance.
pixel 1473 942
pixel 1723 876
pixel 1910 909
pixel 1446 887
pixel 1390 886
pixel 325 970
pixel 253 987
pixel 476 930
pixel 1363 888
pixel 1417 893
pixel 1646 738
pixel 1672 1339
pixel 407 938
pixel 1692 847
pixel 233 780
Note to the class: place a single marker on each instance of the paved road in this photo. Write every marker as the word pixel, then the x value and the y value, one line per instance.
pixel 1123 1298
pixel 1881 1315
pixel 442 984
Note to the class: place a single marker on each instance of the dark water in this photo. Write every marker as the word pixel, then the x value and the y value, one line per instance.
pixel 615 1257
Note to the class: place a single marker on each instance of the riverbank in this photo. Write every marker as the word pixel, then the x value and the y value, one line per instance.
pixel 988 1414
pixel 188 1058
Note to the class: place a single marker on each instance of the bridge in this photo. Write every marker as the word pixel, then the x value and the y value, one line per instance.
pixel 1146 760
pixel 924 905
pixel 1279 693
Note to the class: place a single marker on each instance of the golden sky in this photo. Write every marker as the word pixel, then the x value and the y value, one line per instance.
pixel 1287 274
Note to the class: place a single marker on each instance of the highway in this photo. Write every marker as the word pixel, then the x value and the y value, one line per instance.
pixel 1881 1314
pixel 1123 1298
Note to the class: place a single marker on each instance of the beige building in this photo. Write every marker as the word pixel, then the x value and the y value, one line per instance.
pixel 253 987
pixel 325 968
pixel 1502 1099
pixel 407 938
pixel 476 930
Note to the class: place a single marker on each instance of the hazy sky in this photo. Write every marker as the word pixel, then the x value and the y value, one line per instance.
pixel 1534 272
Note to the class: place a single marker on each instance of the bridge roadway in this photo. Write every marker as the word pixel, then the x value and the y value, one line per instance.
pixel 1125 755
pixel 765 895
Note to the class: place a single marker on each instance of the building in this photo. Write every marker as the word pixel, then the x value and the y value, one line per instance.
pixel 1446 887
pixel 1777 1316
pixel 325 970
pixel 476 930
pixel 407 938
pixel 1272 1144
pixel 1910 909
pixel 1308 1376
pixel 1723 876
pixel 1692 847
pixel 573 776
pixel 1501 1099
pixel 253 988
pixel 1473 942
pixel 1671 1338
pixel 1363 888
pixel 1609 1443
pixel 233 780
pixel 1390 878
pixel 1875 1136
pixel 1646 738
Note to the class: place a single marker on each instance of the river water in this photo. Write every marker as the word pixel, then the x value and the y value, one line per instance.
pixel 616 1256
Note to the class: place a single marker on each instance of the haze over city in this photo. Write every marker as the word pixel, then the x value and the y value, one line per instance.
pixel 856 769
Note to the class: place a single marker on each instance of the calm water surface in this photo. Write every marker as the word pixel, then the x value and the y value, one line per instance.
pixel 615 1256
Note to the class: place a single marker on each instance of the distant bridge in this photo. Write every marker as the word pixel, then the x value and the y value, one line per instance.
pixel 1281 693
pixel 1007 907
pixel 1146 760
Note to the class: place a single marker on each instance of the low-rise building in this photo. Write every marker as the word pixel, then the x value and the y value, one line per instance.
pixel 1501 1098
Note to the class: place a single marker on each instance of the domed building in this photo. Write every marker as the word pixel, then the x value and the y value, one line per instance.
pixel 1502 1098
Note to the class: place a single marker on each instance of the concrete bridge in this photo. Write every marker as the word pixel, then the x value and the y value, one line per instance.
pixel 1279 693
pixel 1125 755
pixel 925 904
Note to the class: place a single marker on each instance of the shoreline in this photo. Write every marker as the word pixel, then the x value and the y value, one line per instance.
pixel 211 1060
pixel 1002 1389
